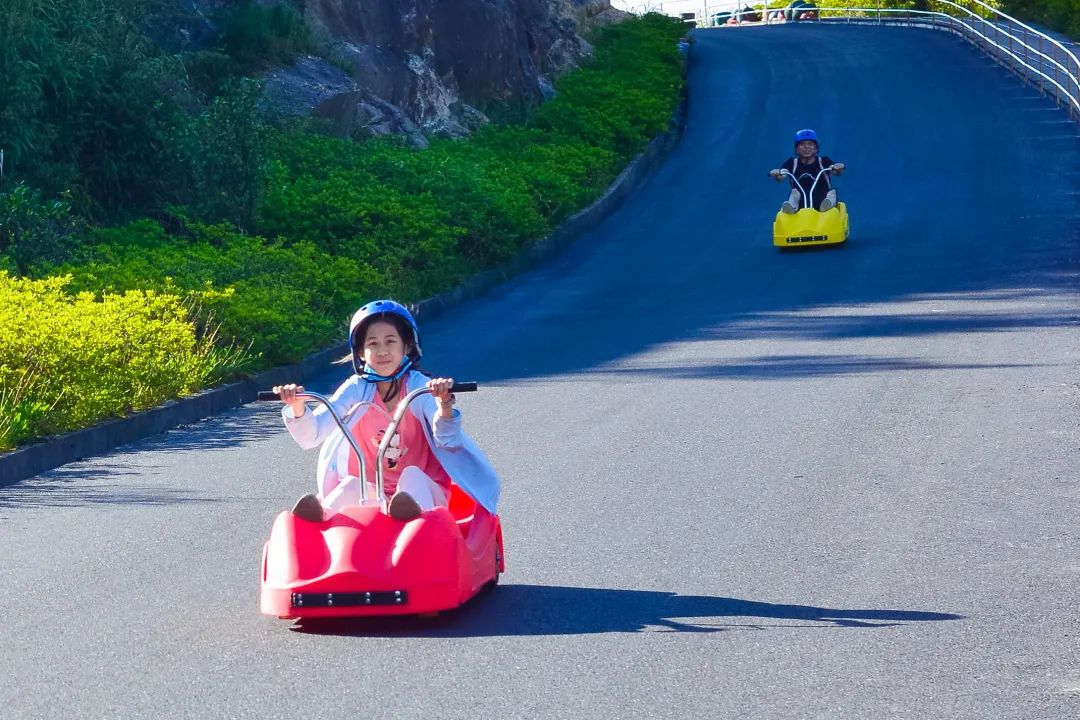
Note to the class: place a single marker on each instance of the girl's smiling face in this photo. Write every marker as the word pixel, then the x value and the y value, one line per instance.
pixel 383 348
pixel 806 149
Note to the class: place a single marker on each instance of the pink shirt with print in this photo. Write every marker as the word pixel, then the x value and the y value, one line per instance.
pixel 410 447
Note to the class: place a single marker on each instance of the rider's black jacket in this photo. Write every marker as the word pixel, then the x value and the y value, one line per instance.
pixel 806 174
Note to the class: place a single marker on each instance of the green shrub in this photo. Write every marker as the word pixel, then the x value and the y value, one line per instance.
pixel 279 301
pixel 260 35
pixel 626 95
pixel 210 72
pixel 33 230
pixel 69 360
pixel 219 157
pixel 1060 15
pixel 88 102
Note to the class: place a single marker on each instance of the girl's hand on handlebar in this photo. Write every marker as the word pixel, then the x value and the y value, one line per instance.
pixel 440 389
pixel 836 168
pixel 777 174
pixel 287 393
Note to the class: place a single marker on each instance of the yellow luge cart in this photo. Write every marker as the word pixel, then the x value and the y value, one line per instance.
pixel 809 226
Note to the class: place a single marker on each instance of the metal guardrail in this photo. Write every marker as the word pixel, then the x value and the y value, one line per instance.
pixel 1037 58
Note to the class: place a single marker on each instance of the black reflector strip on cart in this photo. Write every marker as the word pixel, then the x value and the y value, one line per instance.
pixel 360 599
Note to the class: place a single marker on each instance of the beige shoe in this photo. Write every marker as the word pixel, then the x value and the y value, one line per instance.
pixel 791 205
pixel 829 202
pixel 404 507
pixel 308 508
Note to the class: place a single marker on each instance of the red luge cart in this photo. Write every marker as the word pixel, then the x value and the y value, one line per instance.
pixel 361 561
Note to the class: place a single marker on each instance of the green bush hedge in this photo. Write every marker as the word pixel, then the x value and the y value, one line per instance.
pixel 68 359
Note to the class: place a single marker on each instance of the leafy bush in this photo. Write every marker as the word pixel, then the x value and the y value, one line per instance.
pixel 260 35
pixel 69 360
pixel 220 156
pixel 1060 15
pixel 625 96
pixel 210 72
pixel 33 230
pixel 281 302
pixel 88 102
pixel 92 108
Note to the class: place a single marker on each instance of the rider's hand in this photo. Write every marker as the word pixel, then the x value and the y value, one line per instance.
pixel 287 393
pixel 838 168
pixel 440 390
pixel 777 175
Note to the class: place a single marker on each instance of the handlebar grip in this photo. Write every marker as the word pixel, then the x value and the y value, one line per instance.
pixel 470 386
pixel 267 395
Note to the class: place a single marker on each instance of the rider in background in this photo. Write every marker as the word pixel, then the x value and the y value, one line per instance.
pixel 805 166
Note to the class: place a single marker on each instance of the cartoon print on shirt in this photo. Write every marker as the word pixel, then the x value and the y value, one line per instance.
pixel 395 453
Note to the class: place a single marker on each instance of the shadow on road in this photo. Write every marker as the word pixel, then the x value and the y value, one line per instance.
pixel 546 610
pixel 785 367
pixel 81 487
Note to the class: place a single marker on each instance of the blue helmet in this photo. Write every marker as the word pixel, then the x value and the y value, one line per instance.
pixel 806 134
pixel 378 310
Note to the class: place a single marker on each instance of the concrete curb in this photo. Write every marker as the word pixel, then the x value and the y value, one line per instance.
pixel 28 461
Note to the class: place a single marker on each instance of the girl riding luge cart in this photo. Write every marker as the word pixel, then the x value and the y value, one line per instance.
pixel 418 535
pixel 429 448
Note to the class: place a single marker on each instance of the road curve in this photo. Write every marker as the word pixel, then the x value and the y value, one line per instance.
pixel 738 483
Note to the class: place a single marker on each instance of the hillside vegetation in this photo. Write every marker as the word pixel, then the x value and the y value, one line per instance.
pixel 157 237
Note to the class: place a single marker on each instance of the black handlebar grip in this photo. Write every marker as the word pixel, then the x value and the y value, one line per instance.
pixel 267 395
pixel 464 387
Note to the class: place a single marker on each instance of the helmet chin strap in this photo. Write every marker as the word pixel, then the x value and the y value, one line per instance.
pixel 371 376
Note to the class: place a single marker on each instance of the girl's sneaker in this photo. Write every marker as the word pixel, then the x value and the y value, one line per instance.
pixel 308 508
pixel 403 506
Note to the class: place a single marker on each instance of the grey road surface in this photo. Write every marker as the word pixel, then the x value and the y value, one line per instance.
pixel 738 483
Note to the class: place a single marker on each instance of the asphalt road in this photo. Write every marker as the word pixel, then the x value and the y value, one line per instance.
pixel 738 483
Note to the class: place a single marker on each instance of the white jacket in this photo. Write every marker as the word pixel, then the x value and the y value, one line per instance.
pixel 463 461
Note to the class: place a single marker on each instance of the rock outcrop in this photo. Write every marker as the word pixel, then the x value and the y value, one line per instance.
pixel 412 67
pixel 432 67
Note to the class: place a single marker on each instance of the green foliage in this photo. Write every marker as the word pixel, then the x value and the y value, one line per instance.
pixel 69 360
pixel 33 230
pixel 219 157
pixel 88 103
pixel 625 96
pixel 210 72
pixel 894 4
pixel 1060 15
pixel 92 108
pixel 278 301
pixel 325 224
pixel 259 35
pixel 21 409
